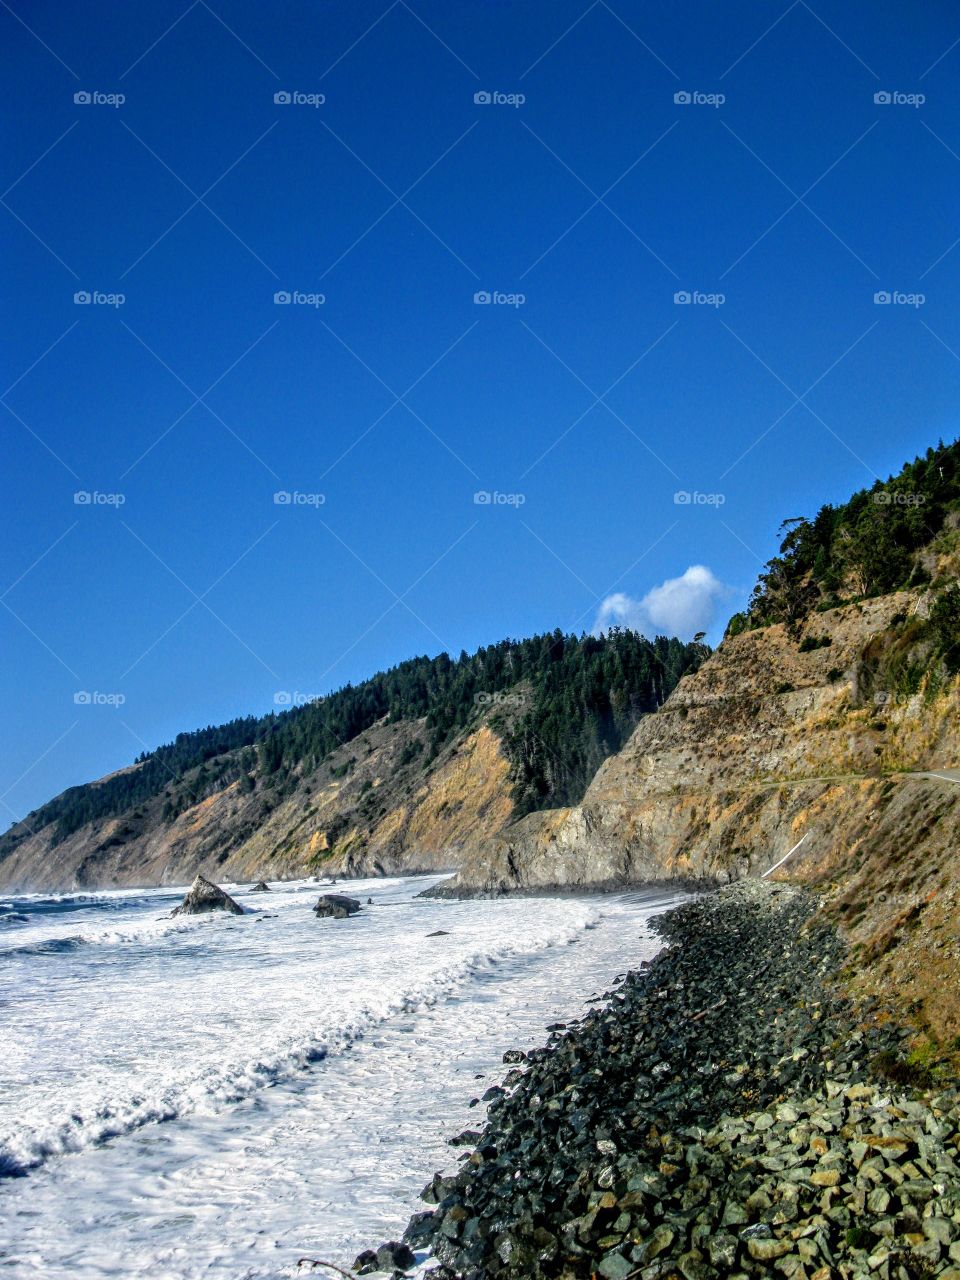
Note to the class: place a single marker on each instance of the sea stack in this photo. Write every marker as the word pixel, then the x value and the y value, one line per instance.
pixel 203 896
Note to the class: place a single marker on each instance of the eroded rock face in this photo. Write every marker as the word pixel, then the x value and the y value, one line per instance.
pixel 203 896
pixel 764 745
pixel 336 906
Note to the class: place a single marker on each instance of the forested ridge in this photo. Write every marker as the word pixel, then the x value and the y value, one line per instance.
pixel 867 546
pixel 562 703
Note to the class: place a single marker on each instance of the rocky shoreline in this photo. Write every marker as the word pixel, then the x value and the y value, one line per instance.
pixel 452 889
pixel 725 1112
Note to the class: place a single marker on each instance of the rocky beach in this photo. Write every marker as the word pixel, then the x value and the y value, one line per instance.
pixel 723 1111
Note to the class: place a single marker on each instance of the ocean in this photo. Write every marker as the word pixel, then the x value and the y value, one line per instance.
pixel 219 1096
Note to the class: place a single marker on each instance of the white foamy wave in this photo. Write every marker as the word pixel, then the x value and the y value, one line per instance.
pixel 41 939
pixel 59 922
pixel 209 1083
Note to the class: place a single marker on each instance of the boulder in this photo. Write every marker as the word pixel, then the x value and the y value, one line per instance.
pixel 204 895
pixel 260 887
pixel 395 1256
pixel 336 906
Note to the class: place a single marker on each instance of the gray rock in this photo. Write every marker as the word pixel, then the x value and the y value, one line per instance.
pixel 336 906
pixel 615 1267
pixel 203 896
pixel 768 1250
pixel 759 1231
pixel 722 1249
pixel 395 1256
pixel 260 887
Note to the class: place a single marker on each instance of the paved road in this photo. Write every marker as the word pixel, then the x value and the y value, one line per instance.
pixel 938 775
pixel 935 775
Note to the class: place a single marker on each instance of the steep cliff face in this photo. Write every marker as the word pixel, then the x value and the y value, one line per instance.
pixel 373 808
pixel 772 742
pixel 749 755
pixel 442 821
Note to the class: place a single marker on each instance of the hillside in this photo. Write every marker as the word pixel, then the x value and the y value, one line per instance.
pixel 403 772
pixel 835 729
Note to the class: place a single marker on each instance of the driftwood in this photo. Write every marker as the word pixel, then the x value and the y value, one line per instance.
pixel 316 1262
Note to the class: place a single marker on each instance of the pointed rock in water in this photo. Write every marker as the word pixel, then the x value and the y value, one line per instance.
pixel 204 895
pixel 260 887
pixel 336 906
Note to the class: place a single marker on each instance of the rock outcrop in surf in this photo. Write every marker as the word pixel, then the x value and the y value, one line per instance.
pixel 203 895
pixel 336 906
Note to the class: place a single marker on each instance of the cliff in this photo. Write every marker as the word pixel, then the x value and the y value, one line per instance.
pixel 786 742
pixel 406 771
pixel 372 808
pixel 749 755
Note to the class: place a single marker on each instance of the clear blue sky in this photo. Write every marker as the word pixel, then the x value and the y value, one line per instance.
pixel 398 398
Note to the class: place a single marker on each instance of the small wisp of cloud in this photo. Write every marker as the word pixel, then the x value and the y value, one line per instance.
pixel 680 606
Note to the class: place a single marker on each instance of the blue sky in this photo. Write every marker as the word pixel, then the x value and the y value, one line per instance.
pixel 619 155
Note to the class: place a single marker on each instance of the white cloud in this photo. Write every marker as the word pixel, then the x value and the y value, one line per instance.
pixel 678 607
